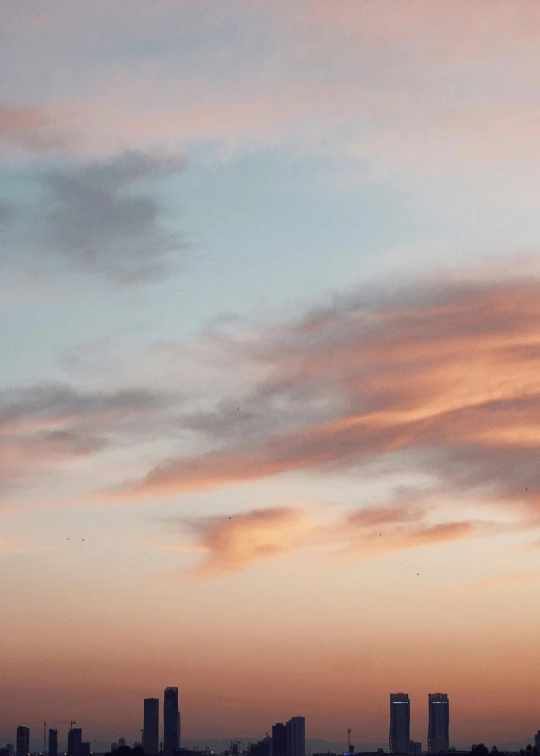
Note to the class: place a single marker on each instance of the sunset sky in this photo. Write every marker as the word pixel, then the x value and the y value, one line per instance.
pixel 270 364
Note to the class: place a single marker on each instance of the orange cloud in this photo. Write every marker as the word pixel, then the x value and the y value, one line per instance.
pixel 232 543
pixel 442 379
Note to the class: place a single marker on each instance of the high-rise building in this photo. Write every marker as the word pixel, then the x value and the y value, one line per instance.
pixel 171 721
pixel 53 742
pixel 262 748
pixel 537 740
pixel 279 739
pixel 74 742
pixel 400 723
pixel 23 741
pixel 150 741
pixel 439 723
pixel 296 736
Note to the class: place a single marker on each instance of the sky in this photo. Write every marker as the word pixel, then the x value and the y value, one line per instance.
pixel 269 400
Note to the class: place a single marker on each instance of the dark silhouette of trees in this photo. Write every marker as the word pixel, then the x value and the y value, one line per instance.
pixel 479 750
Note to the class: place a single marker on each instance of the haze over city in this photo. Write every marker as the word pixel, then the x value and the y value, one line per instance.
pixel 269 400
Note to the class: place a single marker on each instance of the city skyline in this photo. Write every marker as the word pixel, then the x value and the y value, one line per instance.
pixel 269 403
pixel 287 739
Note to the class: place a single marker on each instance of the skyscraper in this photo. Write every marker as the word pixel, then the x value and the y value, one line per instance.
pixel 400 723
pixel 279 739
pixel 53 742
pixel 23 741
pixel 171 721
pixel 150 741
pixel 537 740
pixel 74 742
pixel 439 723
pixel 296 736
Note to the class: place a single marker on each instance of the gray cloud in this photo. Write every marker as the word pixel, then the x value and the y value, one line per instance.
pixel 43 427
pixel 99 219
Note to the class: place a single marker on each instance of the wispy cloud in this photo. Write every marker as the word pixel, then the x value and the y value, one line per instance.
pixel 45 427
pixel 35 130
pixel 100 218
pixel 101 221
pixel 403 90
pixel 233 542
pixel 441 378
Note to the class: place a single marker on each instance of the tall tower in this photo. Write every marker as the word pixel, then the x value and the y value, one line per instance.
pixel 279 739
pixel 23 741
pixel 53 742
pixel 439 723
pixel 74 742
pixel 150 741
pixel 171 721
pixel 400 723
pixel 296 736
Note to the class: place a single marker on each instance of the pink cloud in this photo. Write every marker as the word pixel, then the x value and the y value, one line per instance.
pixel 446 375
pixel 35 130
pixel 233 542
pixel 407 89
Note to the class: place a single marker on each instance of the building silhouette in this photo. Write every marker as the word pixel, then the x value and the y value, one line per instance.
pixel 537 740
pixel 279 739
pixel 85 749
pixel 171 721
pixel 415 748
pixel 439 723
pixel 74 742
pixel 400 723
pixel 150 742
pixel 23 741
pixel 53 742
pixel 262 748
pixel 296 736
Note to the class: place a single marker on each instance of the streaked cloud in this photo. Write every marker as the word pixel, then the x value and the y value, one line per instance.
pixel 439 379
pixel 233 542
pixel 379 100
pixel 42 428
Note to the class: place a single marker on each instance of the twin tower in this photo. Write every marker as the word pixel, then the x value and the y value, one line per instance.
pixel 400 724
pixel 171 724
